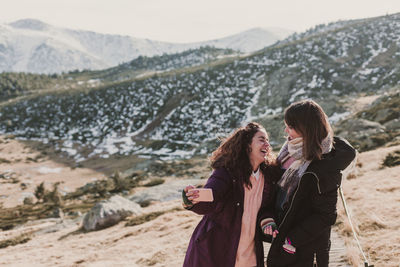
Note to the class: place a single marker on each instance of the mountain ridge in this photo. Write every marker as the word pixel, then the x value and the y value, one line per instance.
pixel 50 49
pixel 123 118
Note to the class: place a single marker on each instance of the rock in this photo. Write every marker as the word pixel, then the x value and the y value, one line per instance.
pixel 363 134
pixel 27 198
pixel 361 125
pixel 23 186
pixel 28 201
pixel 57 213
pixel 74 213
pixel 109 212
pixel 393 125
pixel 8 175
pixel 382 114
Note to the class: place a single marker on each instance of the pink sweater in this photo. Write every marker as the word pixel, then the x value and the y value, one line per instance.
pixel 246 255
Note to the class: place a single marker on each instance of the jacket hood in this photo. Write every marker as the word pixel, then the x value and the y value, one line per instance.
pixel 329 168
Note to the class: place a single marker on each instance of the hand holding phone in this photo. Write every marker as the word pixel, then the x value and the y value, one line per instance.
pixel 203 194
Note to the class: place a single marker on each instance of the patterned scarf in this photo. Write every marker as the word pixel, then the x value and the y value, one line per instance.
pixel 291 177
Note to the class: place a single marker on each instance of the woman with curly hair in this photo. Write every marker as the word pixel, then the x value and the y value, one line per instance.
pixel 242 186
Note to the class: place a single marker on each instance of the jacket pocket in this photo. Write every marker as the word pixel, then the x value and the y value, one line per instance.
pixel 212 245
pixel 279 257
pixel 205 231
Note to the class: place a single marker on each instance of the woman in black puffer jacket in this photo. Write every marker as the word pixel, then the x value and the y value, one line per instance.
pixel 311 161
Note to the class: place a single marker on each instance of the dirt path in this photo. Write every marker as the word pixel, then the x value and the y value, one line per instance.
pixel 337 255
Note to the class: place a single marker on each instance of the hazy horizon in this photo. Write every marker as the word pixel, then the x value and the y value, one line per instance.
pixel 183 21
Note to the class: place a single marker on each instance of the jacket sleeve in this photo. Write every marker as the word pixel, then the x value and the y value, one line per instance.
pixel 267 211
pixel 344 153
pixel 323 216
pixel 220 183
pixel 265 214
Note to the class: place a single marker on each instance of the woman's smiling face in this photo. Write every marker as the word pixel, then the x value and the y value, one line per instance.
pixel 260 148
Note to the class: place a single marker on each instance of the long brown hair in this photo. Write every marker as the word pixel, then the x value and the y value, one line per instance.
pixel 309 119
pixel 233 154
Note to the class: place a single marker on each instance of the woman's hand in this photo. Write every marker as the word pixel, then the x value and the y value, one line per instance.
pixel 190 196
pixel 288 247
pixel 268 230
pixel 268 227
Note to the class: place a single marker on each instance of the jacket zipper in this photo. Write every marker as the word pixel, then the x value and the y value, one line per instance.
pixel 316 176
pixel 291 203
pixel 294 196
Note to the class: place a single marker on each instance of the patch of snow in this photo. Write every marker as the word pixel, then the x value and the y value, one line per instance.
pixel 335 117
pixel 45 170
pixel 297 93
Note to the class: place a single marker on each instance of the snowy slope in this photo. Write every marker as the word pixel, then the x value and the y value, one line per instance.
pixel 33 46
pixel 251 40
pixel 180 113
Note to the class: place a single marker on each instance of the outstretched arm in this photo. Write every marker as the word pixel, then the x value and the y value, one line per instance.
pixel 220 184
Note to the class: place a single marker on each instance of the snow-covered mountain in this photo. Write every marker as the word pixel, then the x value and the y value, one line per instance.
pixel 33 46
pixel 181 112
pixel 251 40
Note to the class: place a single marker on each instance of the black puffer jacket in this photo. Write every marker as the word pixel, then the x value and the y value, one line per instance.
pixel 312 211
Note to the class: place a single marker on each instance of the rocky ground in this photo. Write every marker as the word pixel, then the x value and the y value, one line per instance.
pixel 22 169
pixel 372 194
pixel 160 235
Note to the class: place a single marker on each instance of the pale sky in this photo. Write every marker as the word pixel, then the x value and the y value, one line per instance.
pixel 190 20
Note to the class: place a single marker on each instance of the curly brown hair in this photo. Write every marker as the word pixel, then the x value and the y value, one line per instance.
pixel 233 154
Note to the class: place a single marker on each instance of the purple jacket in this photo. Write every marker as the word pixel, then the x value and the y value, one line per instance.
pixel 216 238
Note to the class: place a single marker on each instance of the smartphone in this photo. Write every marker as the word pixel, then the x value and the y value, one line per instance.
pixel 205 194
